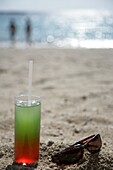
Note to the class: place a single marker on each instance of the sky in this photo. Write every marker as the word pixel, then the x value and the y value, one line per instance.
pixel 54 5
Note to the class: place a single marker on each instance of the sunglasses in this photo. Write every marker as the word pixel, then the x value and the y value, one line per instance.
pixel 74 153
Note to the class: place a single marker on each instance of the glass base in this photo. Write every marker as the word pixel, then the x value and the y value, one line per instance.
pixel 27 165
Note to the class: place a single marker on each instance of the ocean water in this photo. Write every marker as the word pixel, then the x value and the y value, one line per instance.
pixel 68 29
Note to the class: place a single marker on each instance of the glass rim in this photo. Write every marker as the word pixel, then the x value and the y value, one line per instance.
pixel 24 97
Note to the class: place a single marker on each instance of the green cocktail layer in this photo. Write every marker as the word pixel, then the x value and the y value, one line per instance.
pixel 27 121
pixel 27 133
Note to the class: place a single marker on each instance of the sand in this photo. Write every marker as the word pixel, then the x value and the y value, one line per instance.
pixel 76 90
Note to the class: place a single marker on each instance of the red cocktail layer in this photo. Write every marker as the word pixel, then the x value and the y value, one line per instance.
pixel 26 151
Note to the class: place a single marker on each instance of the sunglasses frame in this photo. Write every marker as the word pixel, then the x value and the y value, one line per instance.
pixel 77 149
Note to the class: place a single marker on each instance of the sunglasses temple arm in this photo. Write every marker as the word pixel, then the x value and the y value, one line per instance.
pixel 83 141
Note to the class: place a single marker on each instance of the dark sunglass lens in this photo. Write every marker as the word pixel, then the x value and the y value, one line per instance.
pixel 68 156
pixel 95 144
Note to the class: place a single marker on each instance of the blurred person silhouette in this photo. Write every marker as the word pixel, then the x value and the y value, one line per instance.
pixel 12 30
pixel 28 30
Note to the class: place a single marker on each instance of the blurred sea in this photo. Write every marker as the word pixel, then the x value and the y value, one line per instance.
pixel 69 29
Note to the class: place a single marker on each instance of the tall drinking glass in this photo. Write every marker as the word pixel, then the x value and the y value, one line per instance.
pixel 27 129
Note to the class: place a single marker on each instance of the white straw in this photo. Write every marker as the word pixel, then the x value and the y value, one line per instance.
pixel 30 82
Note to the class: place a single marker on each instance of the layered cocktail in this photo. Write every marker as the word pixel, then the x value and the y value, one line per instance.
pixel 27 129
